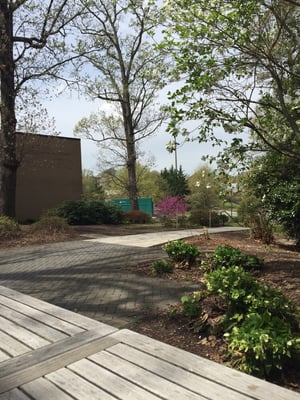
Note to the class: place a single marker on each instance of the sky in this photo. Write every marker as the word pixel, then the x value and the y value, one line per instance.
pixel 67 111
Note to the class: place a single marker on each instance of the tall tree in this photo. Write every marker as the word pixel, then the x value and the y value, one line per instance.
pixel 240 65
pixel 127 72
pixel 32 47
pixel 205 189
pixel 274 180
pixel 91 187
pixel 149 182
pixel 175 182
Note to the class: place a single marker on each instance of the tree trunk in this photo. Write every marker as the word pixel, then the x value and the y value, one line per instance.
pixel 8 161
pixel 131 168
pixel 131 153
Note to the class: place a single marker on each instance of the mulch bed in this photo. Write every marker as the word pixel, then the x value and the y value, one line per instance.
pixel 281 270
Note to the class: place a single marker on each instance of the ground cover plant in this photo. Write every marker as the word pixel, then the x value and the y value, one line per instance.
pixel 225 255
pixel 260 323
pixel 181 252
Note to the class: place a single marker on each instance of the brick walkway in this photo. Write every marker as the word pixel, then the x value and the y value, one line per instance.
pixel 89 278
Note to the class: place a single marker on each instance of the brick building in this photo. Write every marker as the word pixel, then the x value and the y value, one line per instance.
pixel 49 173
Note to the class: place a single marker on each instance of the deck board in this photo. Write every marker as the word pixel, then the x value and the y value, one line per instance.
pixel 50 310
pixel 11 346
pixel 44 390
pixel 46 318
pixel 237 381
pixel 173 373
pixel 50 353
pixel 117 386
pixel 45 331
pixel 76 386
pixel 22 334
pixel 23 369
pixel 15 394
pixel 153 382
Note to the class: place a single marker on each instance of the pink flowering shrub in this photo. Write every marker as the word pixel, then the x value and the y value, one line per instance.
pixel 170 207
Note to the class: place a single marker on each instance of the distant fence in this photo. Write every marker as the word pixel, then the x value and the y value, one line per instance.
pixel 145 204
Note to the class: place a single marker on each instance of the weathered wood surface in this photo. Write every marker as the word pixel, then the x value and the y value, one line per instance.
pixel 238 383
pixel 50 353
pixel 25 368
pixel 37 338
pixel 46 312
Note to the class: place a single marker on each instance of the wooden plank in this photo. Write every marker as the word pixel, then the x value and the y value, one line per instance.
pixel 12 346
pixel 41 389
pixel 45 331
pixel 21 334
pixel 14 394
pixel 76 386
pixel 3 356
pixel 177 375
pixel 44 360
pixel 72 317
pixel 248 385
pixel 152 382
pixel 111 383
pixel 41 316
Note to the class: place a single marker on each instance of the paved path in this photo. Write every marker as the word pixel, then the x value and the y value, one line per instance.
pixel 89 277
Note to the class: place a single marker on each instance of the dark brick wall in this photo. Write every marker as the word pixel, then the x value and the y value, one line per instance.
pixel 49 173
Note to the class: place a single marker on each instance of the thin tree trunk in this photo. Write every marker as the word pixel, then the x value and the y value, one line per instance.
pixel 8 161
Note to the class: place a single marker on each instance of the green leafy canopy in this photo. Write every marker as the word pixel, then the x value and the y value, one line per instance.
pixel 238 62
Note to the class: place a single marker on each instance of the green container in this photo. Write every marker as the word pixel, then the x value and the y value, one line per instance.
pixel 145 204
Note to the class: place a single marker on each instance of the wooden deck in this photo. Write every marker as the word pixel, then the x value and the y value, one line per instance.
pixel 47 352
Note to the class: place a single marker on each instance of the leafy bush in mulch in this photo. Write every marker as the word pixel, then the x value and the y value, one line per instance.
pixel 162 266
pixel 9 228
pixel 259 323
pixel 191 305
pixel 182 252
pixel 226 256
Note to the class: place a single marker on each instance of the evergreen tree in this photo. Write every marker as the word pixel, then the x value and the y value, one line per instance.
pixel 175 182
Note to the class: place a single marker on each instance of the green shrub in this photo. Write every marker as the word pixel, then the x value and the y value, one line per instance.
pixel 236 286
pixel 243 294
pixel 251 214
pixel 137 217
pixel 191 306
pixel 225 256
pixel 260 321
pixel 205 217
pixel 51 225
pixel 9 228
pixel 262 345
pixel 181 252
pixel 89 212
pixel 162 266
pixel 114 215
